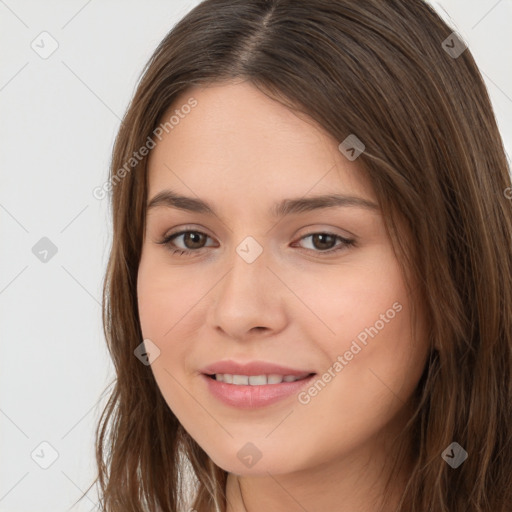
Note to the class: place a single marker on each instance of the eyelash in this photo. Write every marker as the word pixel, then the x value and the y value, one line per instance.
pixel 166 241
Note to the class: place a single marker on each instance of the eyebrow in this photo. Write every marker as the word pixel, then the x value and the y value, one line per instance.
pixel 170 199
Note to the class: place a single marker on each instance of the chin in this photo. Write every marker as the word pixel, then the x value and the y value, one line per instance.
pixel 249 461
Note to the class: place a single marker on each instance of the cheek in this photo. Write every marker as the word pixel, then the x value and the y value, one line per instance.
pixel 352 298
pixel 164 297
pixel 366 336
pixel 171 312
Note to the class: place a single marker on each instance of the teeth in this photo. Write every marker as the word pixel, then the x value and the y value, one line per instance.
pixel 255 380
pixel 241 379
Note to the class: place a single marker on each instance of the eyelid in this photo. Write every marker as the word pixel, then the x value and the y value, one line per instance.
pixel 185 228
pixel 309 228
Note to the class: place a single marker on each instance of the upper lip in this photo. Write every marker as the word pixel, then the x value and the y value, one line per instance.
pixel 252 368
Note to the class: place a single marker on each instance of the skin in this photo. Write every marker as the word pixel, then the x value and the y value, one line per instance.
pixel 295 305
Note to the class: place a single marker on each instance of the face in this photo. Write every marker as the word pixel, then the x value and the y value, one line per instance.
pixel 301 311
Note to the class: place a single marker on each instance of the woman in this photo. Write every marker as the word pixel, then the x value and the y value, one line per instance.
pixel 308 300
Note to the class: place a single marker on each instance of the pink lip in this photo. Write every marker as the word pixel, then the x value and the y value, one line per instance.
pixel 252 368
pixel 249 397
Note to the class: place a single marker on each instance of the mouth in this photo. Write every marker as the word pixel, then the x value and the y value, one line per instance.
pixel 257 380
pixel 254 387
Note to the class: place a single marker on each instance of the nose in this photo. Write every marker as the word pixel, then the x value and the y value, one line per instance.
pixel 248 300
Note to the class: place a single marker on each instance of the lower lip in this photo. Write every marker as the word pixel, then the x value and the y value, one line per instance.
pixel 249 397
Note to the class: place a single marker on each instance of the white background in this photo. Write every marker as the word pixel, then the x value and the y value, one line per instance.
pixel 59 117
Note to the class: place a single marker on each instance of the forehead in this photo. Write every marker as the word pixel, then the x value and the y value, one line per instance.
pixel 237 140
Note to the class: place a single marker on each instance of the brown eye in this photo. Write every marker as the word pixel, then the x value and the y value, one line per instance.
pixel 192 239
pixel 326 242
pixel 323 241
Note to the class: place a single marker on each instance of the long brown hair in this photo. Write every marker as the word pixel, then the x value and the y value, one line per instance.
pixel 380 70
